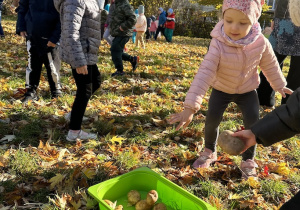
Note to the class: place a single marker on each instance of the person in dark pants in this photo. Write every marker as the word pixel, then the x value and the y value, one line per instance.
pixel 80 41
pixel 38 22
pixel 1 29
pixel 282 123
pixel 121 27
pixel 285 40
pixel 161 22
pixel 148 29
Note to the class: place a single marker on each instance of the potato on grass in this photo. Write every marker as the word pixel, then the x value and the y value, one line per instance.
pixel 142 205
pixel 119 207
pixel 229 144
pixel 152 197
pixel 133 197
pixel 160 206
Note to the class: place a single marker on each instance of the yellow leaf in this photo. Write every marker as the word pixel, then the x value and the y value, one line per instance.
pixel 253 182
pixel 117 139
pixel 56 180
pixel 89 173
pixel 283 169
pixel 234 196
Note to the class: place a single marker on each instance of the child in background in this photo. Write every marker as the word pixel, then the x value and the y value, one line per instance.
pixel 170 25
pixel 104 15
pixel 1 29
pixel 236 50
pixel 136 12
pixel 153 26
pixel 122 22
pixel 161 22
pixel 80 23
pixel 148 29
pixel 141 27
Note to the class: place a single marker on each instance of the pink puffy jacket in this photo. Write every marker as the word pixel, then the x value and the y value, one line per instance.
pixel 232 68
pixel 141 23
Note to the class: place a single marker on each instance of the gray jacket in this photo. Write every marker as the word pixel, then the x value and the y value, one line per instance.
pixel 80 31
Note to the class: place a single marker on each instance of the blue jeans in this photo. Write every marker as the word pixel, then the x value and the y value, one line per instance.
pixel 1 29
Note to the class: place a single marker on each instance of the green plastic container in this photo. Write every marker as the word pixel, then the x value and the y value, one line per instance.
pixel 144 179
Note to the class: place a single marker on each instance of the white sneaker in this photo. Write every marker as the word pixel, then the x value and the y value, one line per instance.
pixel 81 135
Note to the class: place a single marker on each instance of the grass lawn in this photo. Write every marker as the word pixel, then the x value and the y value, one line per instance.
pixel 40 169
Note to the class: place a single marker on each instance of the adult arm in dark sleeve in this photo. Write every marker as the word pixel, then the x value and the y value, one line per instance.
pixel 281 124
pixel 23 9
pixel 57 31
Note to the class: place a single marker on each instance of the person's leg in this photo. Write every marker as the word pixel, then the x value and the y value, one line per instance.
pixel 1 29
pixel 167 34
pixel 83 94
pixel 53 64
pixel 96 78
pixel 171 35
pixel 218 102
pixel 266 94
pixel 293 77
pixel 249 106
pixel 142 39
pixel 138 38
pixel 134 37
pixel 116 53
pixel 157 32
pixel 293 203
pixel 33 74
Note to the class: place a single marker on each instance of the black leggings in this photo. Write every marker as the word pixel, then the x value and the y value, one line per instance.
pixel 265 92
pixel 218 102
pixel 86 86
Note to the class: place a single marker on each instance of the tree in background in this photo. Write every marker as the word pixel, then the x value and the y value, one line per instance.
pixel 152 6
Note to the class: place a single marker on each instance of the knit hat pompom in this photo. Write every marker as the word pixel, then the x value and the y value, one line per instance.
pixel 251 8
pixel 170 10
pixel 141 9
pixel 161 9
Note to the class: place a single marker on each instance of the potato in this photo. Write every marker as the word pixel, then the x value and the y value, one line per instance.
pixel 119 207
pixel 142 205
pixel 152 197
pixel 229 144
pixel 111 204
pixel 160 206
pixel 133 197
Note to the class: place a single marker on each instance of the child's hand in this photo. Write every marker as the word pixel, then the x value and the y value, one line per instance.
pixel 50 44
pixel 82 70
pixel 285 90
pixel 185 117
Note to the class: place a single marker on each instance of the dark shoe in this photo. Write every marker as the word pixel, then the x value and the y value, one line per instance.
pixel 135 62
pixel 56 94
pixel 29 96
pixel 117 73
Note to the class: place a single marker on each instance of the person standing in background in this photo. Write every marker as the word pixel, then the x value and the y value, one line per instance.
pixel 161 22
pixel 170 25
pixel 1 29
pixel 141 27
pixel 285 40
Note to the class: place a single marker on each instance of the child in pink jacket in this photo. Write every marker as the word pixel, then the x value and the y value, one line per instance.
pixel 141 27
pixel 236 50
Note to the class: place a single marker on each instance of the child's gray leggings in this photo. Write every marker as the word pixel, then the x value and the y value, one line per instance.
pixel 248 104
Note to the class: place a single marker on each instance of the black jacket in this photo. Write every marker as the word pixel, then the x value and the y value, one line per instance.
pixel 280 124
pixel 40 20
